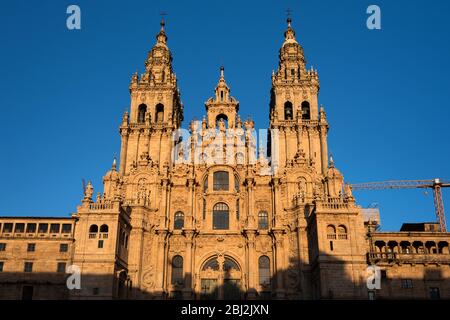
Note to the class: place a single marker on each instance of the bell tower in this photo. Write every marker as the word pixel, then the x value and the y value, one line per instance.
pixel 222 109
pixel 155 110
pixel 294 108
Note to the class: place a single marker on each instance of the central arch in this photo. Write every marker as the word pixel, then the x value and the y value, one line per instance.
pixel 220 278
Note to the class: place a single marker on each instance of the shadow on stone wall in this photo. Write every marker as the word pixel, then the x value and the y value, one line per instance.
pixel 326 278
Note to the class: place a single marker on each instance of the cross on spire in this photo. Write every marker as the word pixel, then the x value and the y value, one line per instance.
pixel 163 14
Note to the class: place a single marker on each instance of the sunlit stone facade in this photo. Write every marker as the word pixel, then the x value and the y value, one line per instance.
pixel 221 211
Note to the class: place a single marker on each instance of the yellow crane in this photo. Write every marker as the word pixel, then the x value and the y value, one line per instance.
pixel 435 184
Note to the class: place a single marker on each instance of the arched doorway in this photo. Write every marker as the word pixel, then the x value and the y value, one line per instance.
pixel 220 278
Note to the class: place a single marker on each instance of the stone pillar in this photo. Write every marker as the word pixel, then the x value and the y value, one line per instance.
pixel 160 263
pixel 252 264
pixel 279 257
pixel 123 150
pixel 188 261
pixel 324 148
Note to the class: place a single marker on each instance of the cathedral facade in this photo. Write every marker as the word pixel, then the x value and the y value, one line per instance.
pixel 219 211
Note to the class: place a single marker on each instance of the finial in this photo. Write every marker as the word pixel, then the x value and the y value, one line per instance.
pixel 331 161
pixel 114 162
pixel 162 23
pixel 222 69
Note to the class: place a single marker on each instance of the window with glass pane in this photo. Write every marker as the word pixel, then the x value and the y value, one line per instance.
pixel 264 270
pixel 20 227
pixel 236 183
pixel 31 227
pixel 66 228
pixel 221 216
pixel 8 227
pixel 61 267
pixel 28 267
pixel 54 228
pixel 263 220
pixel 63 247
pixel 178 220
pixel 43 227
pixel 177 270
pixel 220 181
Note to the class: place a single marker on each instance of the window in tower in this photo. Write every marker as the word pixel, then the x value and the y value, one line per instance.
pixel 221 96
pixel 236 183
pixel 221 216
pixel 178 220
pixel 219 119
pixel 293 73
pixel 306 114
pixel 220 181
pixel 142 109
pixel 159 112
pixel 287 110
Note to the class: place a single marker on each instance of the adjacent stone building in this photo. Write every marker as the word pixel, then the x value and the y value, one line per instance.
pixel 221 211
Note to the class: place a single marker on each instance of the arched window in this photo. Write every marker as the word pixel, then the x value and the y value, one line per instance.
pixel 306 113
pixel 221 117
pixel 220 181
pixel 141 113
pixel 159 112
pixel 331 232
pixel 264 270
pixel 178 220
pixel 342 232
pixel 93 228
pixel 221 216
pixel 177 270
pixel 287 110
pixel 263 220
pixel 104 228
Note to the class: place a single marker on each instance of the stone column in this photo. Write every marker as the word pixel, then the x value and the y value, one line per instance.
pixel 124 132
pixel 252 264
pixel 160 263
pixel 324 148
pixel 279 256
pixel 187 291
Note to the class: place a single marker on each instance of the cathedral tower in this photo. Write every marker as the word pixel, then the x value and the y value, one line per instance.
pixel 294 108
pixel 156 110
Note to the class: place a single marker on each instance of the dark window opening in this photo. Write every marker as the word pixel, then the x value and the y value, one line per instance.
pixel 27 293
pixel 264 270
pixel 54 228
pixel 306 113
pixel 331 246
pixel 31 247
pixel 100 244
pixel 8 227
pixel 61 267
pixel 288 115
pixel 434 293
pixel 178 220
pixel 142 110
pixel 159 113
pixel 63 247
pixel 31 227
pixel 28 267
pixel 263 220
pixel 43 228
pixel 177 270
pixel 221 216
pixel 220 181
pixel 66 228
pixel 20 227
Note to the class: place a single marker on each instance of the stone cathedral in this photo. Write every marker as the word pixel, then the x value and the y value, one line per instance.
pixel 218 212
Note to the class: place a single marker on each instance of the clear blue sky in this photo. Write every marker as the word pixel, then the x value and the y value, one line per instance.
pixel 63 92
